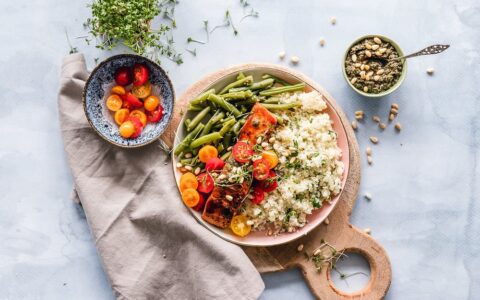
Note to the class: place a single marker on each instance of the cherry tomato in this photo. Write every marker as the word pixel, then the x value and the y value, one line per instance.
pixel 242 152
pixel 151 103
pixel 201 203
pixel 190 197
pixel 132 100
pixel 205 183
pixel 156 115
pixel 260 169
pixel 142 91
pixel 206 153
pixel 271 157
pixel 214 164
pixel 240 226
pixel 123 76
pixel 140 74
pixel 114 102
pixel 140 115
pixel 119 90
pixel 138 126
pixel 127 129
pixel 188 181
pixel 269 184
pixel 121 115
pixel 258 195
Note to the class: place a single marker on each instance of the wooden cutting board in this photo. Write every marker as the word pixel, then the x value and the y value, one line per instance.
pixel 339 232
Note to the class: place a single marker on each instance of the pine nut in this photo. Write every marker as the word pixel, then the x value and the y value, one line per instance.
pixel 391 117
pixel 380 72
pixel 394 111
pixel 359 112
pixel 369 160
pixel 368 53
pixel 368 46
pixel 188 168
pixel 375 47
pixel 370 73
pixel 333 20
pixel 281 55
pixel 271 140
pixel 376 77
pixel 188 155
pixel 327 221
pixel 378 53
pixel 300 247
pixel 382 126
pixel 354 125
pixel 376 119
pixel 395 105
pixel 179 165
pixel 354 58
pixel 354 79
pixel 359 117
pixel 368 151
pixel 398 127
pixel 368 231
pixel 322 42
pixel 377 40
pixel 358 65
pixel 362 67
pixel 259 140
pixel 295 60
pixel 374 139
pixel 367 78
pixel 365 89
pixel 197 171
pixel 229 197
pixel 368 196
pixel 317 252
pixel 367 67
pixel 382 50
pixel 430 71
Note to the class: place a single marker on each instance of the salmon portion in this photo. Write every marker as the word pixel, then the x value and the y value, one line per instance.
pixel 218 210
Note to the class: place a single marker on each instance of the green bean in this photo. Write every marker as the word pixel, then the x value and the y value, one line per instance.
pixel 227 139
pixel 262 84
pixel 227 126
pixel 225 156
pixel 236 128
pixel 238 95
pixel 186 161
pixel 187 121
pixel 205 139
pixel 240 76
pixel 213 120
pixel 194 108
pixel 244 81
pixel 239 89
pixel 195 151
pixel 281 106
pixel 223 121
pixel 202 97
pixel 220 147
pixel 224 104
pixel 272 100
pixel 188 139
pixel 277 80
pixel 198 118
pixel 279 119
pixel 283 89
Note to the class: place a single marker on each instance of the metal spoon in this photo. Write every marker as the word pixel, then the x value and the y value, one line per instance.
pixel 434 49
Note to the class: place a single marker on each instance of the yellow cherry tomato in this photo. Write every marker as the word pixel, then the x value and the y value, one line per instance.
pixel 206 153
pixel 127 129
pixel 190 197
pixel 119 90
pixel 188 181
pixel 121 115
pixel 151 103
pixel 239 225
pixel 140 115
pixel 142 91
pixel 271 157
pixel 114 102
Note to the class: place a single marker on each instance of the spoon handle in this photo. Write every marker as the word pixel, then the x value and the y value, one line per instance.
pixel 434 49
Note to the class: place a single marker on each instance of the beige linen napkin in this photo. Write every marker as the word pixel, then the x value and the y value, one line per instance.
pixel 150 246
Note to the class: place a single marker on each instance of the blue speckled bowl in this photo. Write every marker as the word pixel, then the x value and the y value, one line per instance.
pixel 94 97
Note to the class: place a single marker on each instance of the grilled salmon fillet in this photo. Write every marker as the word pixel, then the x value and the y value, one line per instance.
pixel 219 210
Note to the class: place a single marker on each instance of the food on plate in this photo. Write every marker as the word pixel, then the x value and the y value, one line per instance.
pixel 264 152
pixel 190 197
pixel 366 68
pixel 132 102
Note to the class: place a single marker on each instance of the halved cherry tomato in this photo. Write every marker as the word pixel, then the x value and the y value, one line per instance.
pixel 269 184
pixel 140 74
pixel 258 195
pixel 207 152
pixel 271 157
pixel 240 226
pixel 188 181
pixel 127 129
pixel 132 100
pixel 121 115
pixel 156 115
pixel 138 126
pixel 119 90
pixel 201 203
pixel 214 164
pixel 190 197
pixel 242 152
pixel 205 183
pixel 151 103
pixel 260 169
pixel 142 91
pixel 123 76
pixel 140 115
pixel 114 102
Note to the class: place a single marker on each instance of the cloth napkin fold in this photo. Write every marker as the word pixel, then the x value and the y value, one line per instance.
pixel 149 244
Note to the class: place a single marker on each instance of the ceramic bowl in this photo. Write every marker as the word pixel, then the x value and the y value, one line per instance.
pixel 395 86
pixel 221 78
pixel 97 89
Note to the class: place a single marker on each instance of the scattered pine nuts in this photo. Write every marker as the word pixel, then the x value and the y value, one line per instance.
pixel 322 42
pixel 375 47
pixel 368 53
pixel 368 231
pixel 394 111
pixel 317 252
pixel 197 171
pixel 281 55
pixel 188 155
pixel 382 126
pixel 395 105
pixel 398 127
pixel 179 165
pixel 229 197
pixel 295 60
pixel 354 125
pixel 327 221
pixel 368 196
pixel 376 119
pixel 354 58
pixel 333 20
pixel 359 115
pixel 391 117
pixel 368 151
pixel 377 40
pixel 369 159
pixel 430 71
pixel 300 247
pixel 374 139
pixel 365 88
pixel 188 168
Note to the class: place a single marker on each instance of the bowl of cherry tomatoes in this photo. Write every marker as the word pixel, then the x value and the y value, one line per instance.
pixel 128 100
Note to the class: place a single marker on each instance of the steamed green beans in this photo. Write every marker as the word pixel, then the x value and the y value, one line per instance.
pixel 283 106
pixel 224 104
pixel 199 117
pixel 188 139
pixel 213 120
pixel 283 89
pixel 244 81
pixel 202 97
pixel 205 139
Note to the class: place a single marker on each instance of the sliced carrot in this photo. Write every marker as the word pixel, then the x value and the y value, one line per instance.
pixel 188 181
pixel 190 197
pixel 206 153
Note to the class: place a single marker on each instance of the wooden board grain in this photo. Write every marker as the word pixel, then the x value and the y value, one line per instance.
pixel 339 233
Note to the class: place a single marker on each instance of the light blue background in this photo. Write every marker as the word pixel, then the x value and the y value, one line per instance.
pixel 425 181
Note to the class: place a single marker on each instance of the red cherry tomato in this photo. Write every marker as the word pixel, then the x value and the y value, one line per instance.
pixel 140 74
pixel 258 195
pixel 131 100
pixel 269 184
pixel 201 203
pixel 214 164
pixel 260 169
pixel 205 183
pixel 123 76
pixel 138 126
pixel 242 152
pixel 156 115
